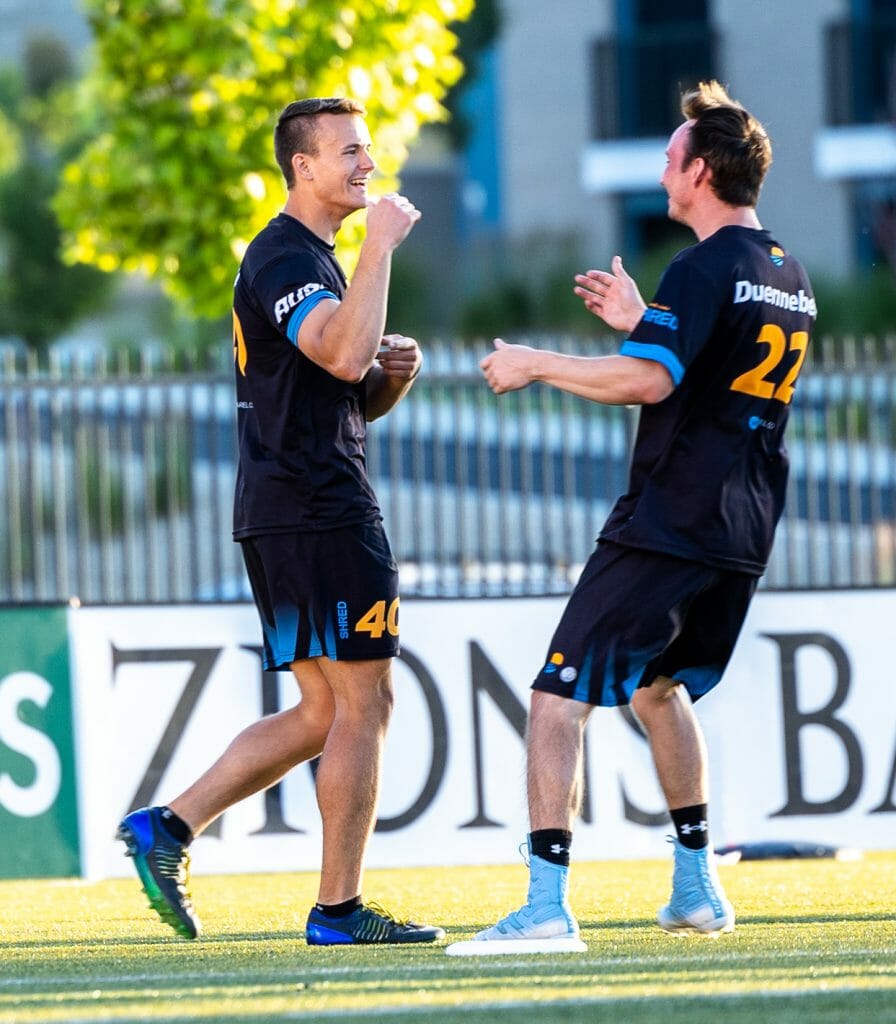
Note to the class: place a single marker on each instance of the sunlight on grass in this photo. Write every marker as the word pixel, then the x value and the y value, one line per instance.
pixel 817 930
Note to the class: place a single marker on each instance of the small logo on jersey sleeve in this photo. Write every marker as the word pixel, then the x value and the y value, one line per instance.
pixel 283 306
pixel 776 255
pixel 662 316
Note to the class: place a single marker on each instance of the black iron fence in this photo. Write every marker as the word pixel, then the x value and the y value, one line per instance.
pixel 116 478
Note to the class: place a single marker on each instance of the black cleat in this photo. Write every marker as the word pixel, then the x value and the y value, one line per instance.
pixel 368 925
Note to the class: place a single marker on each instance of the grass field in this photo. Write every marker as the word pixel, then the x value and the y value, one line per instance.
pixel 815 942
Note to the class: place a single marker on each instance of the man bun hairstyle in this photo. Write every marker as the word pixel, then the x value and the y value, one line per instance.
pixel 296 130
pixel 730 140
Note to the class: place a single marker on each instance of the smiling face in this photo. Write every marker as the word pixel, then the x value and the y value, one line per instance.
pixel 338 172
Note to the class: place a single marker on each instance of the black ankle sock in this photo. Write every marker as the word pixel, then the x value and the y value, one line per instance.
pixel 551 844
pixel 339 909
pixel 176 827
pixel 690 826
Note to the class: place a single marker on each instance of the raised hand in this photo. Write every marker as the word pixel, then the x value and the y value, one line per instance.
pixel 613 296
pixel 390 219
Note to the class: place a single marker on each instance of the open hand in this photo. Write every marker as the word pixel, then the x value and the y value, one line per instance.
pixel 613 296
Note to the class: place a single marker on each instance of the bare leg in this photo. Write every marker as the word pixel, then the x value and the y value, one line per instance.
pixel 263 753
pixel 554 761
pixel 554 769
pixel 698 902
pixel 676 741
pixel 348 778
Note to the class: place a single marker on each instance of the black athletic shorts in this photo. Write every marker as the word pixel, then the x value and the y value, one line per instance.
pixel 635 615
pixel 332 594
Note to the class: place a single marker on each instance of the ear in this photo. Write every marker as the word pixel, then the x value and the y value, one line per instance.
pixel 301 167
pixel 700 171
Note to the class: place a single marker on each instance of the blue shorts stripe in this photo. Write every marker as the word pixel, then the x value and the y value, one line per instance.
pixel 282 638
pixel 583 684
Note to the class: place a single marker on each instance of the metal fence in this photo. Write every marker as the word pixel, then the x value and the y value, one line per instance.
pixel 116 478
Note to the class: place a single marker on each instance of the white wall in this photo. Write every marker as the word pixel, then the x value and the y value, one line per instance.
pixel 804 723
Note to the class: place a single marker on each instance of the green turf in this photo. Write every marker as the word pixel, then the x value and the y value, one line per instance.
pixel 815 942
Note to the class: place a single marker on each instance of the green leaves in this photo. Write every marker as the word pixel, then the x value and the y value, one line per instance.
pixel 181 173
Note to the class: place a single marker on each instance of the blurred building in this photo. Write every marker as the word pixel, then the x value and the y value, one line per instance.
pixel 579 97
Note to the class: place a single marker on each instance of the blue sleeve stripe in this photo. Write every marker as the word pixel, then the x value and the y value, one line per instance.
pixel 302 310
pixel 658 354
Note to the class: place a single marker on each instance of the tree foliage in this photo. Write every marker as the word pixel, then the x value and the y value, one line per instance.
pixel 40 295
pixel 186 92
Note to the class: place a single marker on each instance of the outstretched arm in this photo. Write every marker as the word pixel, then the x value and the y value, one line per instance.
pixel 612 380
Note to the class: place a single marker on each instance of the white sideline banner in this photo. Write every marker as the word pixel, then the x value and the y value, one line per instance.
pixel 801 734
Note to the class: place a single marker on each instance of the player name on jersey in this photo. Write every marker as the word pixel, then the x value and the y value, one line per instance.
pixel 749 291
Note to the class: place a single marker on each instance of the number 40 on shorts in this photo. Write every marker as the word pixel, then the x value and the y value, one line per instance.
pixel 377 620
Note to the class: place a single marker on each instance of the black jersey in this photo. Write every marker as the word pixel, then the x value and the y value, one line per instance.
pixel 302 432
pixel 731 322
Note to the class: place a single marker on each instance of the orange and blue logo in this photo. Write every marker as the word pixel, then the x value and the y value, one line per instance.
pixel 554 662
pixel 776 255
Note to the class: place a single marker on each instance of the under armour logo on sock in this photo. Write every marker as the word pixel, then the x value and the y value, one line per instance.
pixel 558 848
pixel 686 830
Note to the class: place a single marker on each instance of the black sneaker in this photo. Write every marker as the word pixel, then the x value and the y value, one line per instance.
pixel 163 865
pixel 367 925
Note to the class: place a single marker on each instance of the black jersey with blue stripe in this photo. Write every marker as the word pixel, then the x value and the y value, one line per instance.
pixel 731 322
pixel 302 432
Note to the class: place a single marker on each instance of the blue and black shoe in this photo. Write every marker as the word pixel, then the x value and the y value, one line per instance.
pixel 368 925
pixel 163 865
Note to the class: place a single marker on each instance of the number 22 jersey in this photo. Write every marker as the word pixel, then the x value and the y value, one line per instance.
pixel 731 322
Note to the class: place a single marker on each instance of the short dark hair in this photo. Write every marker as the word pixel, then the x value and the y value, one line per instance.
pixel 733 143
pixel 296 128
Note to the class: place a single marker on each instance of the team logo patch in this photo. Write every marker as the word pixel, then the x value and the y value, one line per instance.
pixel 776 255
pixel 554 663
pixel 568 674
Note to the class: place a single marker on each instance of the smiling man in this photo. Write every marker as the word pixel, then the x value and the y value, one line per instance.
pixel 312 367
pixel 652 622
